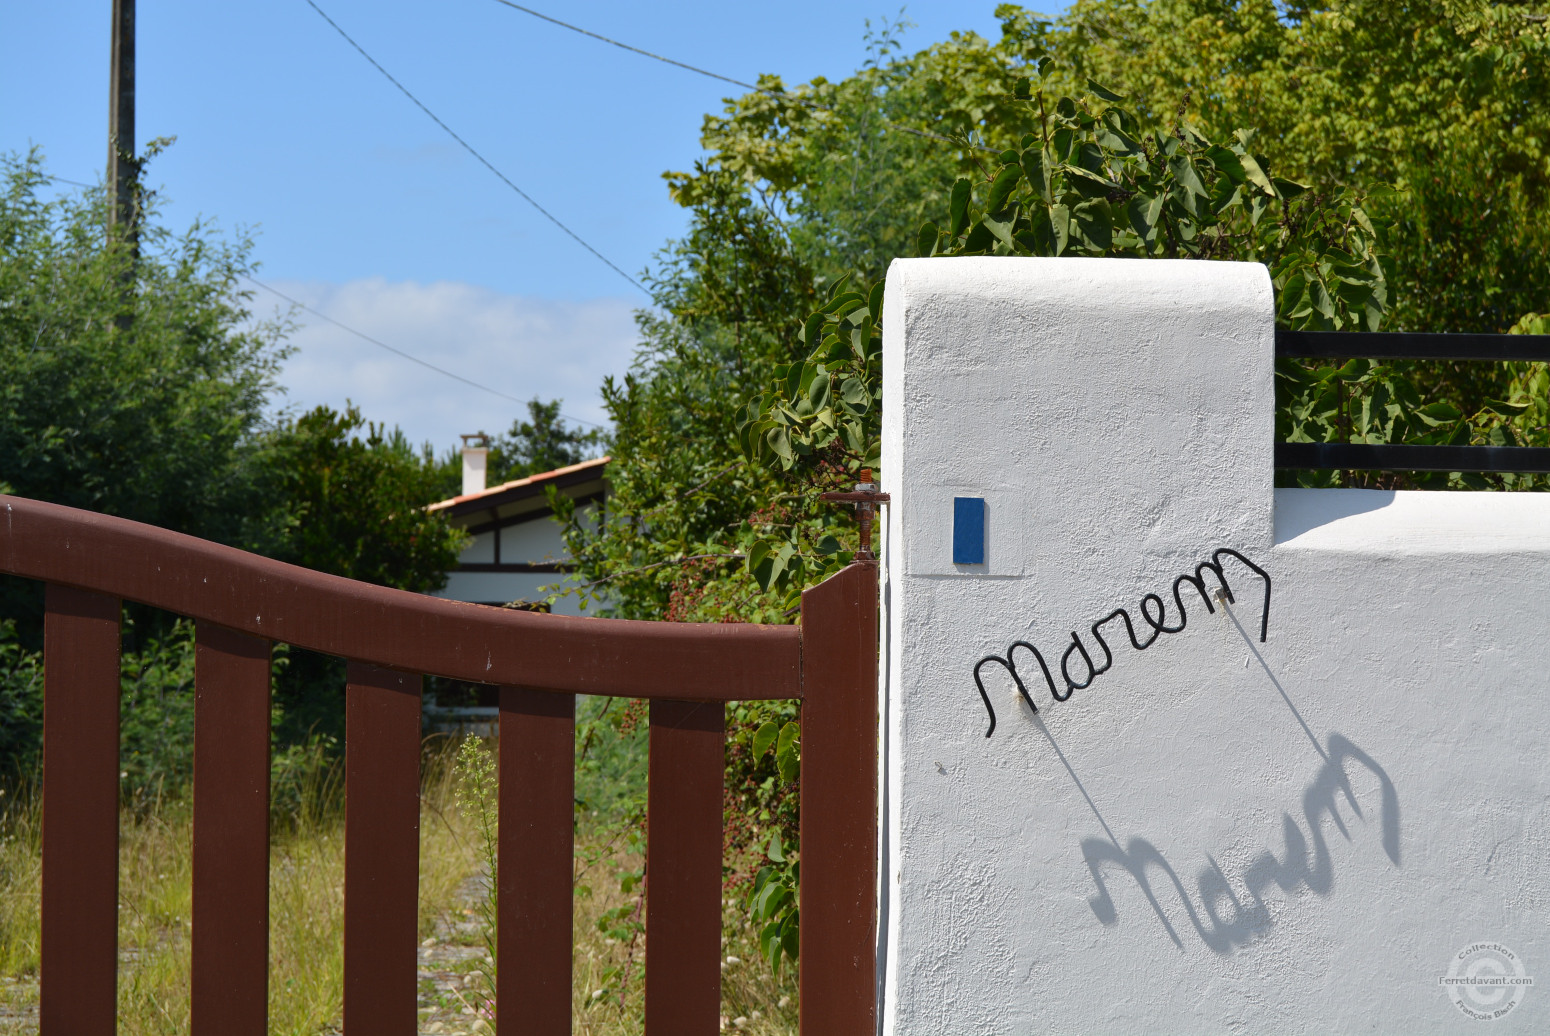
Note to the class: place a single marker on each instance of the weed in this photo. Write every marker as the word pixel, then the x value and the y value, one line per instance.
pixel 478 803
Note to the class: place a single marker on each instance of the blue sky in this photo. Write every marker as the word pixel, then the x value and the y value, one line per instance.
pixel 366 210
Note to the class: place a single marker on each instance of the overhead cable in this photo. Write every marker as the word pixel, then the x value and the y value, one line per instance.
pixel 361 334
pixel 778 95
pixel 72 183
pixel 399 352
pixel 470 149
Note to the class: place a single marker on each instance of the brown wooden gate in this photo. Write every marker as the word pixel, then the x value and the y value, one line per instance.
pixel 242 604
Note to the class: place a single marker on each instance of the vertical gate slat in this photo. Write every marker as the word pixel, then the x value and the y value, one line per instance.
pixel 683 868
pixel 79 953
pixel 838 959
pixel 230 975
pixel 537 809
pixel 382 850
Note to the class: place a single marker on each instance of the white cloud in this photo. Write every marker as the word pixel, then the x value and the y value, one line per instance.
pixel 522 347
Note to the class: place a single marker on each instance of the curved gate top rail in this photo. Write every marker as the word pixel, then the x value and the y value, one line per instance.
pixel 394 628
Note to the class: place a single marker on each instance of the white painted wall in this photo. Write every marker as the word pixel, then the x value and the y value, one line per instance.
pixel 480 549
pixel 501 587
pixel 537 541
pixel 1218 835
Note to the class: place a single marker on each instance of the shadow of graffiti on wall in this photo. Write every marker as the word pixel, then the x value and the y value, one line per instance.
pixel 1219 915
pixel 1223 919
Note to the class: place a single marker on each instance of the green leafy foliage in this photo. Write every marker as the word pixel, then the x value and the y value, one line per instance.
pixel 681 498
pixel 161 419
pixel 763 773
pixel 853 164
pixel 772 904
pixel 1087 181
pixel 1090 181
pixel 823 406
pixel 21 706
pixel 156 716
pixel 351 501
pixel 157 422
pixel 611 759
pixel 1364 401
pixel 156 720
pixel 478 802
pixel 140 388
pixel 1447 100
pixel 821 422
pixel 1443 101
pixel 625 923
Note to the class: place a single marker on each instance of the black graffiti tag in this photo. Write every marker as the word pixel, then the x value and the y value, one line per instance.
pixel 1154 613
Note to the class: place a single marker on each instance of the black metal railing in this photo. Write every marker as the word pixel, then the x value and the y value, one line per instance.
pixel 1411 346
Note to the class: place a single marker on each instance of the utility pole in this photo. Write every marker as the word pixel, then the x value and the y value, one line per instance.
pixel 122 170
pixel 121 125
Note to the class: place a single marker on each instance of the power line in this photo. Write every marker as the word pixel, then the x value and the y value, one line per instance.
pixel 399 352
pixel 784 98
pixel 635 50
pixel 470 149
pixel 360 334
pixel 72 183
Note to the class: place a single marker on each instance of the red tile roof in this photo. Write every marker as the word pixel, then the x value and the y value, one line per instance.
pixel 534 481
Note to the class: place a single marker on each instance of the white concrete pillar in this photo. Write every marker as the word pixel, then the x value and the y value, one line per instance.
pixel 1216 835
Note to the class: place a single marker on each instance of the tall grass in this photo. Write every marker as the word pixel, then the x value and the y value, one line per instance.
pixel 754 999
pixel 306 906
pixel 306 887
pixel 21 871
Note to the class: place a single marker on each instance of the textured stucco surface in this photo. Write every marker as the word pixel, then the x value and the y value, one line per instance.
pixel 1217 835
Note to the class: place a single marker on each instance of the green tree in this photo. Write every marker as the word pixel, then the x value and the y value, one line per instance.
pixel 1086 180
pixel 543 442
pixel 158 422
pixel 1447 100
pixel 853 166
pixel 352 501
pixel 670 544
pixel 162 419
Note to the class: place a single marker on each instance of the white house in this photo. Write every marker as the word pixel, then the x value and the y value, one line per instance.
pixel 517 546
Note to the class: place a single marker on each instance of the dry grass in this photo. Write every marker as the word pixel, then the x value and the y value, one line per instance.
pixel 753 999
pixel 20 879
pixel 307 923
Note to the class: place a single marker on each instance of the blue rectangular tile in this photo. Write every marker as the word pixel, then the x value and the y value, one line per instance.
pixel 968 530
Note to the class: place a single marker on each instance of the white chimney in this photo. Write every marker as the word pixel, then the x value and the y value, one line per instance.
pixel 476 454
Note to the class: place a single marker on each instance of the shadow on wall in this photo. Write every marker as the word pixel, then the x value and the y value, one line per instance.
pixel 1300 512
pixel 1223 920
